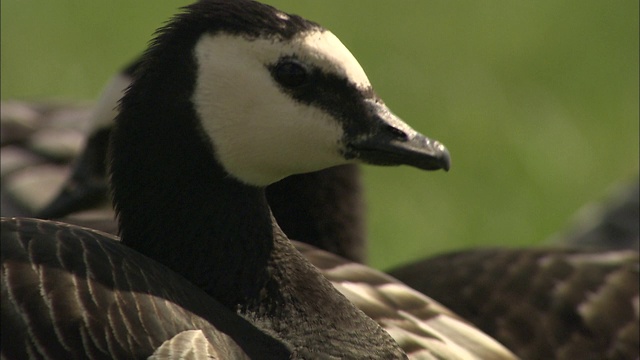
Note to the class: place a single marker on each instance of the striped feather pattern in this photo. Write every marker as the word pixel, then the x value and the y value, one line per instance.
pixel 424 328
pixel 101 300
pixel 541 303
pixel 187 345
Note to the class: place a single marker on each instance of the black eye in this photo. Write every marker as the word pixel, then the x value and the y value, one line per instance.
pixel 290 73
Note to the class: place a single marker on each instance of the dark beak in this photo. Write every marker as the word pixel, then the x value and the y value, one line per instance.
pixel 393 142
pixel 417 151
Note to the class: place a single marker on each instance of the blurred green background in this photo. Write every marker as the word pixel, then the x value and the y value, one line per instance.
pixel 536 100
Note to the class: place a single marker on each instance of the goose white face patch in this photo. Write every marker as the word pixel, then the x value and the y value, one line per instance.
pixel 259 132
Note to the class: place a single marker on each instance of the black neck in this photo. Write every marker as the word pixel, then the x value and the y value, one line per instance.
pixel 173 200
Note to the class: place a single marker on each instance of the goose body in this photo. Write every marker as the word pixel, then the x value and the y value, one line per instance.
pixel 187 174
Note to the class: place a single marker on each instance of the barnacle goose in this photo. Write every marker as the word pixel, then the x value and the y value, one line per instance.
pixel 187 184
pixel 489 259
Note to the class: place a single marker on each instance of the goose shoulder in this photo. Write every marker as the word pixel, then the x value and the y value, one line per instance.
pixel 100 299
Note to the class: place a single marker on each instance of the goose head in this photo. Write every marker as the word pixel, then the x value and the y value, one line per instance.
pixel 232 96
pixel 307 104
pixel 273 94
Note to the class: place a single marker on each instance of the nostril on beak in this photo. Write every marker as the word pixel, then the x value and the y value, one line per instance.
pixel 396 133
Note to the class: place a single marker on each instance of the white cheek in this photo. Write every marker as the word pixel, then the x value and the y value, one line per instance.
pixel 260 134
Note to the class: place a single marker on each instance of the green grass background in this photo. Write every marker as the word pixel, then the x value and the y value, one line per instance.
pixel 536 100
